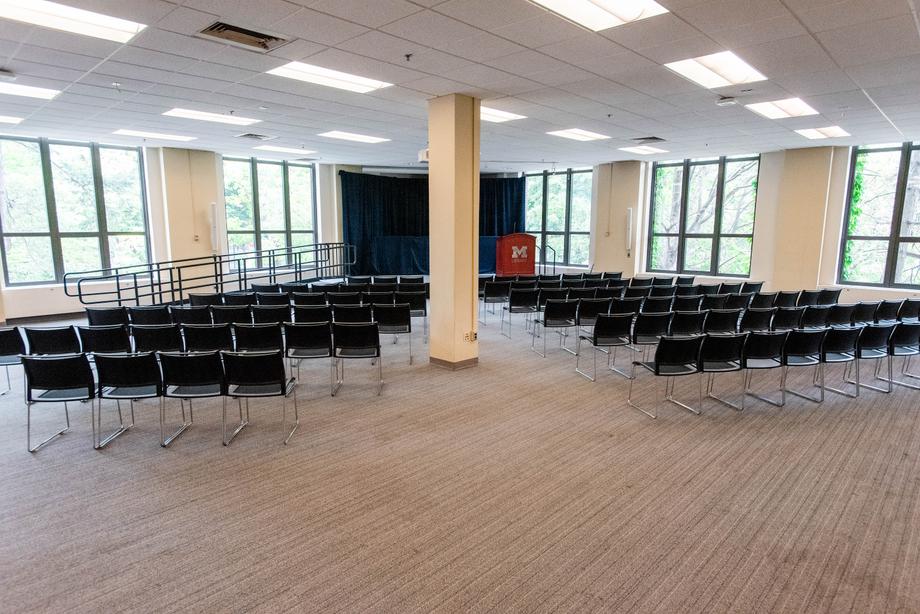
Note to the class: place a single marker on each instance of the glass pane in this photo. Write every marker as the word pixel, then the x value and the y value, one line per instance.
pixel 910 221
pixel 539 239
pixel 664 254
pixel 555 205
pixel 534 208
pixel 739 197
pixel 872 202
pixel 127 250
pixel 121 187
pixel 908 271
pixel 666 209
pixel 579 249
pixel 581 202
pixel 701 199
pixel 735 255
pixel 239 244
pixel 556 242
pixel 238 195
pixel 300 186
pixel 28 259
pixel 22 188
pixel 74 190
pixel 698 255
pixel 271 196
pixel 81 254
pixel 864 261
pixel 302 238
pixel 275 241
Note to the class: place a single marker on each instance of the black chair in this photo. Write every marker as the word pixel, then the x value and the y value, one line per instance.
pixel 294 286
pixel 311 314
pixel 612 275
pixel 308 298
pixel 205 300
pixel 558 316
pixel 587 276
pixel 756 320
pixel 597 283
pixel 12 347
pixel 573 283
pixel 343 298
pixel 648 328
pixel 874 343
pixel 418 307
pixel 401 287
pixel 230 314
pixel 786 299
pixel 123 377
pixel 888 311
pixel 864 313
pixel 611 331
pixel 707 289
pixel 808 297
pixel 662 281
pixel 787 318
pixel 617 283
pixel 187 377
pixel 549 284
pixel 656 305
pixel 905 344
pixel 395 320
pixel 608 292
pixel 722 321
pixel 384 279
pixel 106 316
pixel 626 305
pixel 307 341
pixel 240 298
pixel 714 301
pixel 909 311
pixel 257 375
pixel 589 309
pixel 265 288
pixel 522 301
pixel 269 314
pixel 551 294
pixel 723 354
pixel 739 301
pixel 803 349
pixel 685 281
pixel 382 287
pixel 411 279
pixel 378 298
pixel 732 288
pixel 639 282
pixel 687 323
pixel 674 357
pixel 815 316
pixel 207 337
pixel 751 287
pixel 149 314
pixel 688 290
pixel 275 298
pixel 104 339
pixel 494 292
pixel 840 347
pixel 355 341
pixel 260 337
pixel 829 296
pixel 352 313
pixel 637 291
pixel 763 351
pixel 56 340
pixel 841 316
pixel 571 276
pixel 579 293
pixel 763 300
pixel 663 291
pixel 191 315
pixel 687 303
pixel 358 279
pixel 157 337
pixel 56 379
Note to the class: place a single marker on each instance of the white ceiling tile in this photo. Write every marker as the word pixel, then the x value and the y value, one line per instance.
pixel 526 63
pixel 787 56
pixel 245 13
pixel 540 31
pixel 872 42
pixel 819 17
pixel 183 20
pixel 481 47
pixel 486 14
pixel 371 14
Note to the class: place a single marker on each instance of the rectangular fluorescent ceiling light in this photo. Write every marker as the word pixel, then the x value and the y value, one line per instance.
pixel 69 19
pixel 9 119
pixel 830 132
pixel 781 109
pixel 599 15
pixel 153 135
pixel 577 134
pixel 328 77
pixel 497 116
pixel 288 150
pixel 644 150
pixel 717 70
pixel 351 136
pixel 212 117
pixel 14 89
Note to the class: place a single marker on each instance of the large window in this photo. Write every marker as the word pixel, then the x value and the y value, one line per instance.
pixel 881 239
pixel 269 204
pixel 70 207
pixel 702 216
pixel 559 215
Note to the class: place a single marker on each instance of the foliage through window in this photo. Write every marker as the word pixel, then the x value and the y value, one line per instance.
pixel 70 207
pixel 881 240
pixel 702 216
pixel 558 214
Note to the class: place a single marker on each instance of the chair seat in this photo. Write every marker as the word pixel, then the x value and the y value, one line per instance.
pixel 802 361
pixel 762 363
pixel 521 309
pixel 394 330
pixel 188 392
pixel 646 339
pixel 129 392
pixel 721 366
pixel 670 370
pixel 12 359
pixel 905 350
pixel 260 390
pixel 839 357
pixel 357 353
pixel 418 313
pixel 604 341
pixel 66 394
pixel 309 353
pixel 873 353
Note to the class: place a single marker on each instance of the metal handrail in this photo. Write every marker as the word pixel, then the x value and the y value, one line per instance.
pixel 543 259
pixel 172 281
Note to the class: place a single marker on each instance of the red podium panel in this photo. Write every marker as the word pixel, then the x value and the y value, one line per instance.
pixel 515 254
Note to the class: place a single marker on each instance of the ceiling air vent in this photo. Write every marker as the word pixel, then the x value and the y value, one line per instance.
pixel 647 140
pixel 255 137
pixel 242 37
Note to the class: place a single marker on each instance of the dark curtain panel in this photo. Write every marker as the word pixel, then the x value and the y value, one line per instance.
pixel 386 219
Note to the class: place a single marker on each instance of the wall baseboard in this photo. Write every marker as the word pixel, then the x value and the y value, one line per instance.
pixel 454 366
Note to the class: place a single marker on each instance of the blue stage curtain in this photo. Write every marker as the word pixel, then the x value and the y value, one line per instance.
pixel 386 219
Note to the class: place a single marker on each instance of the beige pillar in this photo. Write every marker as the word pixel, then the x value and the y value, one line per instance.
pixel 618 203
pixel 453 192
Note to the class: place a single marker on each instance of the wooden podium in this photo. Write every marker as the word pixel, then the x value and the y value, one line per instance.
pixel 515 254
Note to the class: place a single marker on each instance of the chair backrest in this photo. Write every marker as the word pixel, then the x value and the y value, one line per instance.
pixel 662 281
pixel 128 370
pixel 637 291
pixel 352 287
pixel 207 337
pixel 723 348
pixel 358 279
pixel 311 314
pixel 577 293
pixel 343 298
pixel 730 288
pixel 829 296
pixel 417 300
pixel 199 369
pixel 523 298
pixel 352 335
pixel 401 287
pixel 651 324
pixel 272 298
pixel 411 279
pixel 742 300
pixel 239 298
pixel 190 315
pixel 556 277
pixel 557 312
pixel 840 340
pixel 804 343
pixel 381 287
pixel 573 283
pixel 666 291
pixel 311 336
pixel 763 345
pixel 263 369
pixel 519 285
pixel 58 373
pixel 150 314
pixel 496 290
pixel 864 312
pixel 905 335
pixel 549 284
pixel 639 282
pixel 910 310
pixel 394 316
pixel 756 319
pixel 751 286
pixel 109 339
pixel 841 315
pixel 707 289
pixel 106 316
pixel 352 313
pixel 588 276
pixel 612 275
pixel 687 303
pixel 815 316
pixel 688 290
pixel 808 297
pixel 308 298
pixel 787 318
pixel 294 286
pixel 552 294
pixel 612 325
pixel 608 292
pixel 269 314
pixel 384 279
pixel 888 311
pixel 723 320
pixel 11 342
pixel 714 301
pixel 617 283
pixel 658 304
pixel 763 300
pixel 677 351
pixel 263 288
pixel 596 282
pixel 569 276
pixel 685 281
pixel 627 305
pixel 876 336
pixel 156 337
pixel 197 300
pixel 687 323
pixel 56 340
pixel 786 298
pixel 590 308
pixel 256 337
pixel 229 314
pixel 378 298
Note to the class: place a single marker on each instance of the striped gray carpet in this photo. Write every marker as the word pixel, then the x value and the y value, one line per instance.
pixel 515 486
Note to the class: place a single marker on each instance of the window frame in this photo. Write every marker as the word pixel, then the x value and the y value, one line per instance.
pixel 54 234
pixel 567 231
pixel 682 235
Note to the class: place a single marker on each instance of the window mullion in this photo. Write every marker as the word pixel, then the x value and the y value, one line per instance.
pixel 56 250
pixel 682 217
pixel 893 238
pixel 568 216
pixel 543 215
pixel 717 221
pixel 101 224
pixel 286 188
pixel 256 219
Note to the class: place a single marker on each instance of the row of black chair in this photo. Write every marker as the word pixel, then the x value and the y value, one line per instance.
pixel 287 298
pixel 384 279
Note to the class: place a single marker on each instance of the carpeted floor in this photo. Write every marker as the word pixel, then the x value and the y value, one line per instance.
pixel 516 486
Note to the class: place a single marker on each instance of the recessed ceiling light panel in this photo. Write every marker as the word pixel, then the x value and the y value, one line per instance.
pixel 577 134
pixel 9 119
pixel 15 89
pixel 69 19
pixel 717 70
pixel 219 118
pixel 644 150
pixel 351 136
pixel 599 15
pixel 497 116
pixel 328 77
pixel 159 136
pixel 287 150
pixel 782 109
pixel 830 132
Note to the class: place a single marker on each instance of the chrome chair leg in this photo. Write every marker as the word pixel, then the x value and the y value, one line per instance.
pixel 164 439
pixel 35 448
pixel 99 441
pixel 820 373
pixel 669 395
pixel 878 368
pixel 8 385
pixel 629 401
pixel 589 376
pixel 379 375
pixel 239 427
pixel 905 366
pixel 533 339
pixel 296 423
pixel 711 394
pixel 612 364
pixel 766 399
pixel 854 365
